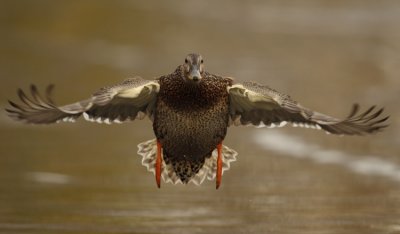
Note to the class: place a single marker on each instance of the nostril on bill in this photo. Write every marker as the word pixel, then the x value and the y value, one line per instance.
pixel 195 78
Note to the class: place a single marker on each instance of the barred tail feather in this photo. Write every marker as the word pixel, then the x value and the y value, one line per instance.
pixel 148 152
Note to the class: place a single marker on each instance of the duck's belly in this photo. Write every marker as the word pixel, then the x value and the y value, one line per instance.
pixel 190 134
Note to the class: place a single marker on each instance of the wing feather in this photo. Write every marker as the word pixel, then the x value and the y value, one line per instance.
pixel 259 105
pixel 133 98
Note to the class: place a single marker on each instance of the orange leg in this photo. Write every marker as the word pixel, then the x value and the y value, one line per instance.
pixel 219 165
pixel 158 164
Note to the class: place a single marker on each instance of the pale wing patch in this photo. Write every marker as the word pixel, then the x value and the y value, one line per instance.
pixel 248 99
pixel 105 96
pixel 148 151
pixel 121 103
pixel 135 92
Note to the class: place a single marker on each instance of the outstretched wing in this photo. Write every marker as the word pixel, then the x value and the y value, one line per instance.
pixel 131 99
pixel 252 103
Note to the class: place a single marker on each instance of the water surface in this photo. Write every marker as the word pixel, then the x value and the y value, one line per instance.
pixel 87 178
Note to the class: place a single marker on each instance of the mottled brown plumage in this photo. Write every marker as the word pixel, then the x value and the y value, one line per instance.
pixel 202 113
pixel 191 110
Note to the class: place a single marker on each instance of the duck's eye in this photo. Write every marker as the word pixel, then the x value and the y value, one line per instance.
pixel 186 61
pixel 201 61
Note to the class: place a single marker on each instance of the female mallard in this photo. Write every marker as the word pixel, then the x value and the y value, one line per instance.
pixel 191 110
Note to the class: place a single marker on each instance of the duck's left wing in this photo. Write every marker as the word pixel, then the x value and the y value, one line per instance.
pixel 255 104
pixel 131 99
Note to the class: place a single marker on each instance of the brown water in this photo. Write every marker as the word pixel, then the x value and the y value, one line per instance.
pixel 87 178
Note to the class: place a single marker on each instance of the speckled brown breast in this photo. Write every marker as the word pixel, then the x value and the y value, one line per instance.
pixel 190 120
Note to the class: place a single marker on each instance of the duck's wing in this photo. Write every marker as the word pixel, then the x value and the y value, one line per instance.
pixel 255 104
pixel 131 99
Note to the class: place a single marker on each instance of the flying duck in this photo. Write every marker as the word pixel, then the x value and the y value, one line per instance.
pixel 191 110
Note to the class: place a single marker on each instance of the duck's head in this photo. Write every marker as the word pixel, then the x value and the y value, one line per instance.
pixel 193 68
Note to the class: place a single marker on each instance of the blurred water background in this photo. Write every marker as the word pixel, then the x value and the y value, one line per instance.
pixel 87 178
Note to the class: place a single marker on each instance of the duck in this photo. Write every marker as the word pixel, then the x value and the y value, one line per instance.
pixel 191 110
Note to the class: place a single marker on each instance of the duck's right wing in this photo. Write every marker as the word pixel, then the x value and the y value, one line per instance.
pixel 131 99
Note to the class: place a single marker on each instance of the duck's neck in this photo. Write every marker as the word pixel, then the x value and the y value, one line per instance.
pixel 175 91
